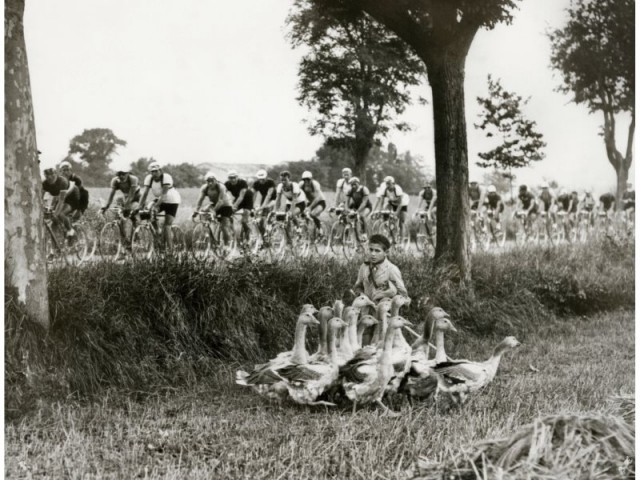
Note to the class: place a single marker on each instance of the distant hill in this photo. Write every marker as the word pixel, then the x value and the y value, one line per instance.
pixel 244 170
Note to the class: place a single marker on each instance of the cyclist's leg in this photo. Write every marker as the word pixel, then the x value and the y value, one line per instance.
pixel 245 231
pixel 402 219
pixel 225 221
pixel 316 212
pixel 364 218
pixel 170 210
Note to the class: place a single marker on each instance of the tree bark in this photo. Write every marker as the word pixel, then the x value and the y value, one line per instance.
pixel 446 77
pixel 621 164
pixel 25 271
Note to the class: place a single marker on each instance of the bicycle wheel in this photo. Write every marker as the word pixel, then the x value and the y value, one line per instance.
pixel 300 239
pixel 320 239
pixel 200 242
pixel 78 246
pixel 335 238
pixel 349 242
pixel 142 242
pixel 110 241
pixel 277 242
pixel 179 242
pixel 55 256
pixel 221 249
pixel 498 235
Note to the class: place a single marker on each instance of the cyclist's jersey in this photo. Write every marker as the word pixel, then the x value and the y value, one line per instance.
pixel 588 203
pixel 574 205
pixel 357 196
pixel 293 193
pixel 547 199
pixel 395 196
pixel 56 187
pixel 215 191
pixel 263 185
pixel 427 194
pixel 311 190
pixel 564 201
pixel 344 185
pixel 526 198
pixel 235 188
pixel 131 183
pixel 75 179
pixel 608 201
pixel 629 199
pixel 171 196
pixel 474 193
pixel 492 200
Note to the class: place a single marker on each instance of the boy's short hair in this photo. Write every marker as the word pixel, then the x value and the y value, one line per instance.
pixel 380 240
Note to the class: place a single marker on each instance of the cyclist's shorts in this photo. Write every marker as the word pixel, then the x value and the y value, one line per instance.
pixel 403 208
pixel 73 200
pixel 353 206
pixel 301 206
pixel 475 204
pixel 629 205
pixel 322 204
pixel 169 208
pixel 247 202
pixel 225 211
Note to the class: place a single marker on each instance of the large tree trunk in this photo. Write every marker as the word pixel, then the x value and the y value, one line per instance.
pixel 620 163
pixel 25 273
pixel 446 76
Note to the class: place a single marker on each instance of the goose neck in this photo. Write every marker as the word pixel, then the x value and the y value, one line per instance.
pixel 299 352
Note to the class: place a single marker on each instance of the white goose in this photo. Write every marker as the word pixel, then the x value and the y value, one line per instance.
pixel 364 322
pixel 459 377
pixel 365 381
pixel 324 315
pixel 305 383
pixel 421 382
pixel 263 379
pixel 401 351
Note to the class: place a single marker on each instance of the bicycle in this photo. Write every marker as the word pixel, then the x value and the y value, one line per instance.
pixel 336 233
pixel 548 231
pixel 584 227
pixel 480 237
pixel 112 239
pixel 497 234
pixel 207 237
pixel 249 239
pixel 65 250
pixel 568 231
pixel 318 237
pixel 525 230
pixel 390 228
pixel 604 224
pixel 354 237
pixel 147 238
pixel 281 234
pixel 426 234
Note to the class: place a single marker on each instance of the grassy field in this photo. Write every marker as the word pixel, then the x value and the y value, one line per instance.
pixel 219 430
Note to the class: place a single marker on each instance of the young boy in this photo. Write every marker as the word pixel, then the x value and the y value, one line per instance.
pixel 378 278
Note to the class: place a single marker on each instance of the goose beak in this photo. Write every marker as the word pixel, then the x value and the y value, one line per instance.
pixel 406 323
pixel 453 329
pixel 315 321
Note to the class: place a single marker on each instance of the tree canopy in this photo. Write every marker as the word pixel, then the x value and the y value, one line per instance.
pixel 502 118
pixel 92 152
pixel 355 75
pixel 595 55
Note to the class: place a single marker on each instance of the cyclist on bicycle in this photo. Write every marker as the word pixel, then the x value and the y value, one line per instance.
pixel 167 199
pixel 264 198
pixel 493 203
pixel 66 198
pixel 221 204
pixel 547 200
pixel 65 171
pixel 528 203
pixel 565 202
pixel 343 187
pixel 629 200
pixel 129 185
pixel 242 199
pixel 395 198
pixel 475 195
pixel 358 200
pixel 293 195
pixel 314 195
pixel 427 196
pixel 607 203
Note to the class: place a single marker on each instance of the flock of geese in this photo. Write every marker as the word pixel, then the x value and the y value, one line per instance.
pixel 343 367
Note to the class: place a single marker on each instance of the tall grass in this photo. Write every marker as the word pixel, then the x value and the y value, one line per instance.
pixel 167 322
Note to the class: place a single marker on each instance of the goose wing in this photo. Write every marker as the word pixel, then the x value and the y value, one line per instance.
pixel 461 371
pixel 303 373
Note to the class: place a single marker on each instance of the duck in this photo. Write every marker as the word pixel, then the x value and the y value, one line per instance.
pixel 458 378
pixel 305 383
pixel 420 382
pixel 264 379
pixel 365 381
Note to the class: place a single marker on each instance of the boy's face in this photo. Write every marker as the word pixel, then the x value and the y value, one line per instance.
pixel 376 253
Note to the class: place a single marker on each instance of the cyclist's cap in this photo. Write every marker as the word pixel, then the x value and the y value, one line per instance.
pixel 122 171
pixel 209 175
pixel 523 187
pixel 354 180
pixel 346 170
pixel 491 189
pixel 380 240
pixel 49 171
pixel 65 164
pixel 153 166
pixel 232 174
pixel 262 173
pixel 544 185
pixel 389 179
pixel 473 182
pixel 307 174
pixel 285 173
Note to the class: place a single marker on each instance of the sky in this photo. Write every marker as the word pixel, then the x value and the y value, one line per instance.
pixel 210 81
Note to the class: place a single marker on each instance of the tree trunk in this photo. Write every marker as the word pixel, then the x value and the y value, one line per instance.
pixel 446 76
pixel 25 273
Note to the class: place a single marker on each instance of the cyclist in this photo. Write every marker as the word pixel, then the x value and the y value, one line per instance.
pixel 66 198
pixel 315 197
pixel 358 199
pixel 129 185
pixel 629 201
pixel 221 204
pixel 293 195
pixel 65 171
pixel 167 199
pixel 427 196
pixel 493 203
pixel 607 203
pixel 475 195
pixel 528 203
pixel 264 198
pixel 565 203
pixel 547 200
pixel 343 187
pixel 395 198
pixel 242 199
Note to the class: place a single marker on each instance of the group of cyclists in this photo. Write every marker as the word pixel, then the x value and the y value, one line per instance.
pixel 235 195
